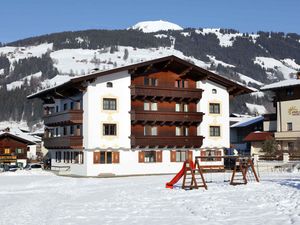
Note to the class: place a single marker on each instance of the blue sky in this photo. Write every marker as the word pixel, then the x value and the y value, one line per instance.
pixel 27 18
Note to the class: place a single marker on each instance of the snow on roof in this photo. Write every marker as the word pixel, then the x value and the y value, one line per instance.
pixel 20 134
pixel 247 121
pixel 281 84
pixel 254 108
pixel 154 26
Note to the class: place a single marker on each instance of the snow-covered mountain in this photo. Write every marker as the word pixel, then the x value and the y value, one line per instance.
pixel 154 26
pixel 41 62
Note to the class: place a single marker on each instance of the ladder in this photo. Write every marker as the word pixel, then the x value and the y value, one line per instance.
pixel 193 176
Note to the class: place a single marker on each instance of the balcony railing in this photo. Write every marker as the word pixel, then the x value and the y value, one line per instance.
pixel 172 141
pixel 65 142
pixel 158 116
pixel 166 92
pixel 66 117
pixel 287 135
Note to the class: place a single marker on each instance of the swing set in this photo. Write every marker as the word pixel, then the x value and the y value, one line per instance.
pixel 193 173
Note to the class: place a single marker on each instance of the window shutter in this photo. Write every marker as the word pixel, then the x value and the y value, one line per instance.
pixel 141 157
pixel 173 156
pixel 186 84
pixel 176 83
pixel 218 153
pixel 190 155
pixel 116 157
pixel 158 156
pixel 96 157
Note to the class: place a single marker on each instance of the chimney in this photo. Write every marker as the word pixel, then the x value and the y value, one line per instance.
pixel 298 75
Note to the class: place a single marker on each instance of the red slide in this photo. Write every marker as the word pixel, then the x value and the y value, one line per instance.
pixel 177 177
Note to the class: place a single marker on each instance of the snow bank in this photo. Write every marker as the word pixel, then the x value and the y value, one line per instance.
pixel 154 26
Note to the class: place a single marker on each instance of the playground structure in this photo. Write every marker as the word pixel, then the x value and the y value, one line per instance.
pixel 193 178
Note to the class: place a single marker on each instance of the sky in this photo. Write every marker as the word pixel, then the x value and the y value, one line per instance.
pixel 26 18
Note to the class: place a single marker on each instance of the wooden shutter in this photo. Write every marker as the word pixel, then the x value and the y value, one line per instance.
pixel 116 157
pixel 218 153
pixel 186 84
pixel 158 156
pixel 190 155
pixel 96 157
pixel 141 157
pixel 176 83
pixel 173 156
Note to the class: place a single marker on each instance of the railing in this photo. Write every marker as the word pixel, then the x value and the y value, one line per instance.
pixel 65 142
pixel 193 117
pixel 66 117
pixel 160 92
pixel 165 141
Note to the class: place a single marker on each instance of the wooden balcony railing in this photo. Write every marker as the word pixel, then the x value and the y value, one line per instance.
pixel 65 142
pixel 64 118
pixel 156 92
pixel 172 141
pixel 158 116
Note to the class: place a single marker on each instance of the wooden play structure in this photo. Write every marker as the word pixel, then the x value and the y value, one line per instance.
pixel 193 178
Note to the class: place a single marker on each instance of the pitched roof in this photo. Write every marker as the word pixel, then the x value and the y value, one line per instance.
pixel 248 121
pixel 170 62
pixel 259 136
pixel 281 84
pixel 21 136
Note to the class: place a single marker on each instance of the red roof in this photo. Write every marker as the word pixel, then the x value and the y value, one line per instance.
pixel 259 136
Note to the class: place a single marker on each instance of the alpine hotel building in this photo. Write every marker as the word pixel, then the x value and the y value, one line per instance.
pixel 145 118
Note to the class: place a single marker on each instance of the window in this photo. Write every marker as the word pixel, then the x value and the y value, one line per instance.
pixel 289 92
pixel 214 108
pixel 150 106
pixel 211 153
pixel 65 131
pixel 291 146
pixel 7 151
pixel 181 83
pixel 109 104
pixel 58 156
pixel 181 107
pixel 109 129
pixel 214 91
pixel 150 156
pixel 105 157
pixel 71 105
pixel 71 130
pixel 65 106
pixel 289 126
pixel 214 131
pixel 109 84
pixel 56 108
pixel 19 151
pixel 181 156
pixel 150 81
pixel 150 131
pixel 182 131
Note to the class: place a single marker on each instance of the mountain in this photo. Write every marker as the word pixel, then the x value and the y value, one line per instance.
pixel 39 62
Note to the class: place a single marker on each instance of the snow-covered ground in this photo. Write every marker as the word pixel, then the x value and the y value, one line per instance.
pixel 44 198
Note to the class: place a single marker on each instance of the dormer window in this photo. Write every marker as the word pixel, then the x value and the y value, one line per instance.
pixel 214 91
pixel 109 84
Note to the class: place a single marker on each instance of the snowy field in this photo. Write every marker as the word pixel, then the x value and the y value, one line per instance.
pixel 43 198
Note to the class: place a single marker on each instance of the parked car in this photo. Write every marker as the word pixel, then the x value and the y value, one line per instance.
pixel 12 168
pixel 33 166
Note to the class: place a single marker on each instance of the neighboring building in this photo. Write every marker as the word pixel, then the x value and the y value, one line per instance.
pixel 287 103
pixel 16 147
pixel 256 140
pixel 239 130
pixel 145 118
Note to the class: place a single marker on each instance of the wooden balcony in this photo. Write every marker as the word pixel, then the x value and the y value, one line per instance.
pixel 172 141
pixel 166 93
pixel 166 117
pixel 64 118
pixel 65 142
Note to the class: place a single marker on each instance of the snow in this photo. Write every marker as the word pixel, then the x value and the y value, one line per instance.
pixel 217 62
pixel 17 132
pixel 258 94
pixel 161 35
pixel 40 197
pixel 186 34
pixel 1 72
pixel 154 26
pixel 19 83
pixel 254 108
pixel 284 83
pixel 249 79
pixel 274 64
pixel 291 63
pixel 14 124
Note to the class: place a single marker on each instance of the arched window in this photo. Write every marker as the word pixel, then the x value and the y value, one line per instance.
pixel 109 84
pixel 214 91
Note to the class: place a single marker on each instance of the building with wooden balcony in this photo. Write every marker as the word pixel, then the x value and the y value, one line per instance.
pixel 145 118
pixel 287 104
